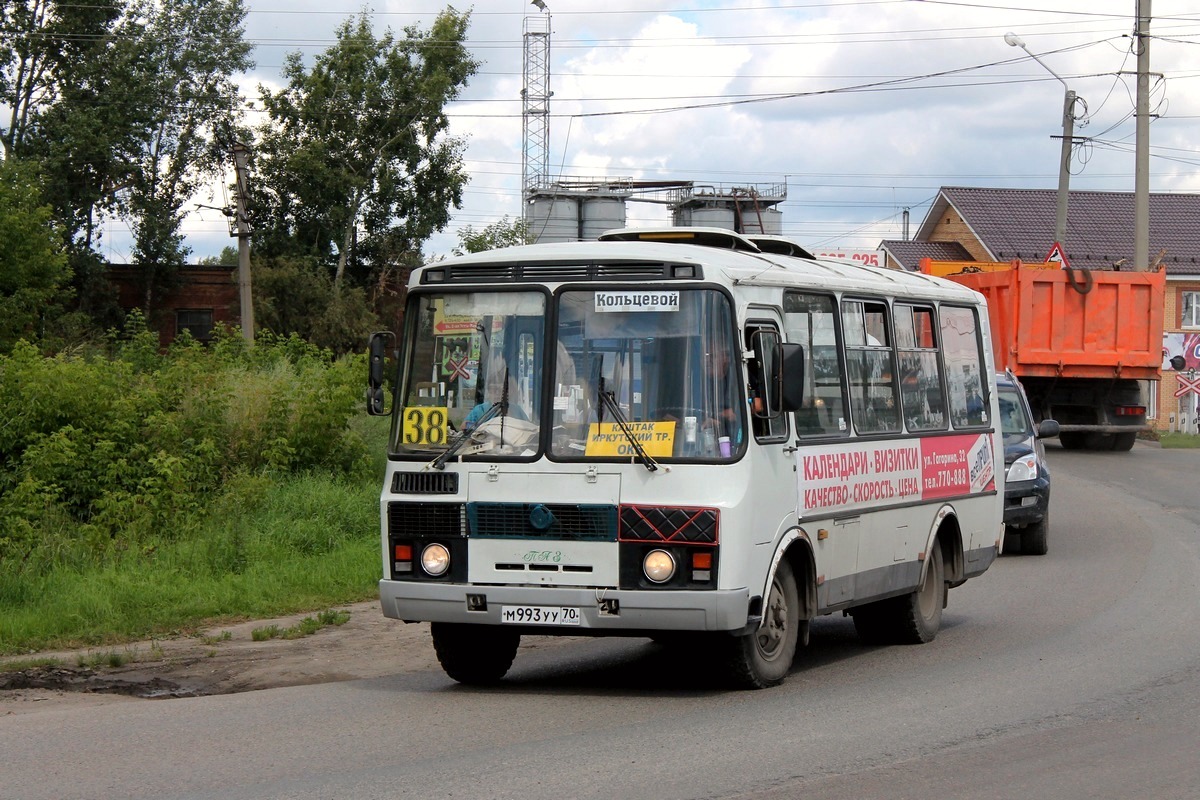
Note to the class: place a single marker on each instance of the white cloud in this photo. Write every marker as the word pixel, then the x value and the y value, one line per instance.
pixel 853 160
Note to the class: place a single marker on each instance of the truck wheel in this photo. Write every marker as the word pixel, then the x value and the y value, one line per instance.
pixel 1100 441
pixel 1123 442
pixel 921 612
pixel 476 655
pixel 1035 537
pixel 1071 440
pixel 763 657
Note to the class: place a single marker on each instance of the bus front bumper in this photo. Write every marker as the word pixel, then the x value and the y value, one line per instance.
pixel 601 611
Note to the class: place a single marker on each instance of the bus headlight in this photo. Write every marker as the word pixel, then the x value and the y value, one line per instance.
pixel 435 559
pixel 659 566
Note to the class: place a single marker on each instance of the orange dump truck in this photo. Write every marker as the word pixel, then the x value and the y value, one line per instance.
pixel 1079 340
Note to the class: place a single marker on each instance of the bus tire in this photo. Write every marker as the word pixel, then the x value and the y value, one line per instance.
pixel 920 614
pixel 476 655
pixel 763 657
pixel 875 623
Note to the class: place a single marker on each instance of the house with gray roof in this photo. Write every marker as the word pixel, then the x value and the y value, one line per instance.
pixel 982 224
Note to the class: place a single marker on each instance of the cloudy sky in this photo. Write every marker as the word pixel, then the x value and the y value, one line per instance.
pixel 862 107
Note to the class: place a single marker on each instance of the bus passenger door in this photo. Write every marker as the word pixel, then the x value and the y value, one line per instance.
pixel 772 467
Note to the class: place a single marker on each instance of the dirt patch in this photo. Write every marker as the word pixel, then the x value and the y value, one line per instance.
pixel 223 660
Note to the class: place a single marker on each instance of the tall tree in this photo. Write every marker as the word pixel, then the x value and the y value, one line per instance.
pixel 359 143
pixel 191 49
pixel 33 267
pixel 128 105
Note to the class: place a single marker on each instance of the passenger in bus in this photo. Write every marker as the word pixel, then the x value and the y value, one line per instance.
pixel 494 391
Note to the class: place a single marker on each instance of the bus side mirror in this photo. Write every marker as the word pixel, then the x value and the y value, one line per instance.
pixel 377 350
pixel 1178 363
pixel 790 378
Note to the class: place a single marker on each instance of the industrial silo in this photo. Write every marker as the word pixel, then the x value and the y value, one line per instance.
pixel 554 219
pixel 601 214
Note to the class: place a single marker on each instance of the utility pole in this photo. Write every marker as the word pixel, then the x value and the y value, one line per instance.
pixel 1141 175
pixel 245 296
pixel 1068 142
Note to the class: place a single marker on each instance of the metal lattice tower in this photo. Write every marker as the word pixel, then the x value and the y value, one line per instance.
pixel 536 106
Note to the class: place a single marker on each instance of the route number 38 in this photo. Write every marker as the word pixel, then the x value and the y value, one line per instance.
pixel 425 425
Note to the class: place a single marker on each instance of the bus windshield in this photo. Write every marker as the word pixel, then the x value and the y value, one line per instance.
pixel 473 373
pixel 669 364
pixel 660 368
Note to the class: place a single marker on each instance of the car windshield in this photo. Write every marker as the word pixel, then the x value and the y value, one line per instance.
pixel 1013 420
pixel 669 364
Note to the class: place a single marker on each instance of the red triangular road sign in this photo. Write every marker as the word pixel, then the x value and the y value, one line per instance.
pixel 1057 255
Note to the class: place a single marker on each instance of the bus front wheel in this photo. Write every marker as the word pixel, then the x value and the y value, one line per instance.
pixel 763 657
pixel 474 654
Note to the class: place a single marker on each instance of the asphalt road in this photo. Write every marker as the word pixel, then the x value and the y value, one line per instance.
pixel 1070 675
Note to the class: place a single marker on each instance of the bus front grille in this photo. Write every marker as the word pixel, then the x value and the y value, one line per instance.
pixel 595 523
pixel 426 520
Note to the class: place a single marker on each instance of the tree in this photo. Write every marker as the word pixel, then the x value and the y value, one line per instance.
pixel 33 266
pixel 295 295
pixel 191 49
pixel 505 233
pixel 127 105
pixel 228 257
pixel 359 143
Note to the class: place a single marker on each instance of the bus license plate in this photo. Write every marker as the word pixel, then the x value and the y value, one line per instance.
pixel 540 615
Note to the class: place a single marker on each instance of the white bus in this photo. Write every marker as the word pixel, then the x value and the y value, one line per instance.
pixel 677 435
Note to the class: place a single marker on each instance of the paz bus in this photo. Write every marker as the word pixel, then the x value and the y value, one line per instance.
pixel 680 435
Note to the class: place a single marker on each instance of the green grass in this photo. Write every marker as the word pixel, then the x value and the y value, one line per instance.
pixel 270 547
pixel 305 627
pixel 22 664
pixel 1179 440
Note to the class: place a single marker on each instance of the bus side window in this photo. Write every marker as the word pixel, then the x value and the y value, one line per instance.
pixel 920 370
pixel 869 362
pixel 811 321
pixel 965 381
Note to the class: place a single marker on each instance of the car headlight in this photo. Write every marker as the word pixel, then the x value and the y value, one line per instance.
pixel 1023 469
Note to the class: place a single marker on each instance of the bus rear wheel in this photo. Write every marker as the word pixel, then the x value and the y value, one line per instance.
pixel 763 657
pixel 477 655
pixel 911 619
pixel 921 611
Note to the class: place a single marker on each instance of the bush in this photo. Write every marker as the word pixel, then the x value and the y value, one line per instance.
pixel 105 452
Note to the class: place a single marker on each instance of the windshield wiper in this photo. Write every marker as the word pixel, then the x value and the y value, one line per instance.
pixel 465 435
pixel 609 401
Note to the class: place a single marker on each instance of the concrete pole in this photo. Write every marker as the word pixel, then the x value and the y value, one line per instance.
pixel 1141 179
pixel 245 295
pixel 1064 162
pixel 1064 169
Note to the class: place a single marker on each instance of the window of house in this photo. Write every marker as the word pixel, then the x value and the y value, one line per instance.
pixel 1190 304
pixel 196 321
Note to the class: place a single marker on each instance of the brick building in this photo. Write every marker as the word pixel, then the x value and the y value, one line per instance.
pixel 206 295
pixel 980 224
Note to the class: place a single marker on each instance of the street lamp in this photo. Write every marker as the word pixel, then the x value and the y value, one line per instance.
pixel 1064 166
